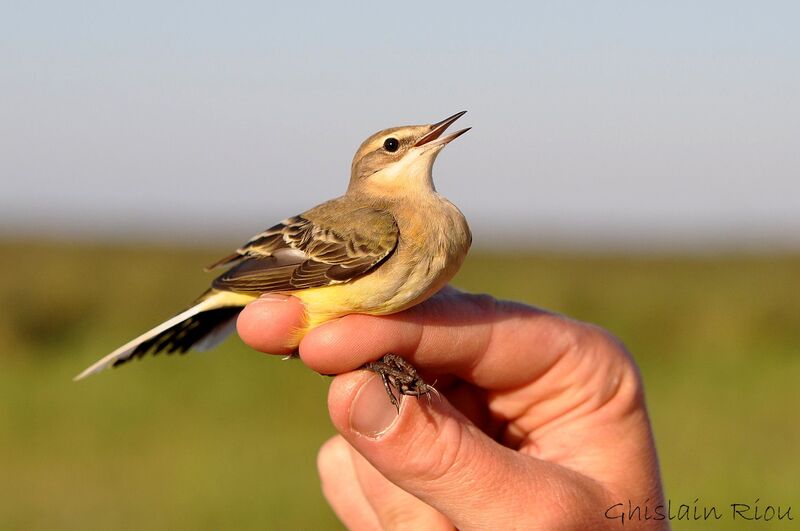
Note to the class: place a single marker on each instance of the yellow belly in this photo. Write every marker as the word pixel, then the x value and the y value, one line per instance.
pixel 372 295
pixel 393 287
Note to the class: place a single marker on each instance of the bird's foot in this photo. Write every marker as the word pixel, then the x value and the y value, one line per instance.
pixel 398 374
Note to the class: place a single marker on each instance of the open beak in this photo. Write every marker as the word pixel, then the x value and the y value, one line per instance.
pixel 432 137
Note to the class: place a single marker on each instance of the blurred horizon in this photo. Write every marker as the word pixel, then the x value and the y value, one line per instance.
pixel 555 240
pixel 646 127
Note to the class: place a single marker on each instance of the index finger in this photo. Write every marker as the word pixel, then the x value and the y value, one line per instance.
pixel 493 344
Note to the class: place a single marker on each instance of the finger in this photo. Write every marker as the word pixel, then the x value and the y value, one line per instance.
pixel 341 487
pixel 436 454
pixel 394 507
pixel 493 344
pixel 267 323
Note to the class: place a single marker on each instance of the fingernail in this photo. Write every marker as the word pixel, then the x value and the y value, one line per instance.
pixel 273 297
pixel 372 414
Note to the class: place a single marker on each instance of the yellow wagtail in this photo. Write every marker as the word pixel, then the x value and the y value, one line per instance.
pixel 390 242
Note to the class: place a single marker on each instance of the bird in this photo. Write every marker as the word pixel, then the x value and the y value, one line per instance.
pixel 389 243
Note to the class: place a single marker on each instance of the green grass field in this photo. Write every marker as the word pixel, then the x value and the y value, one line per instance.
pixel 228 439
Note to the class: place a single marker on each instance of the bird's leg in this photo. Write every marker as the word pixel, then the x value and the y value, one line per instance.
pixel 398 374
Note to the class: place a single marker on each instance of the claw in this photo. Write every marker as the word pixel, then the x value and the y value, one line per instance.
pixel 398 374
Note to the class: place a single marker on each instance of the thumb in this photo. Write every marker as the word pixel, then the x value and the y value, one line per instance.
pixel 432 451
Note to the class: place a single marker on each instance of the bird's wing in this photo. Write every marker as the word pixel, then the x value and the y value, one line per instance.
pixel 333 243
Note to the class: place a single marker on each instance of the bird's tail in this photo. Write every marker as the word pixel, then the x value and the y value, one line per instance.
pixel 202 327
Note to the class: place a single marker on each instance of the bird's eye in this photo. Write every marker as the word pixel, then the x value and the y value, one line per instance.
pixel 391 145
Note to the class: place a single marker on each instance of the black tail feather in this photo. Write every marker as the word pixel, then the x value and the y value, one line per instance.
pixel 181 337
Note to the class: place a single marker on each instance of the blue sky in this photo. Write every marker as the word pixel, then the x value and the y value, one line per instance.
pixel 606 124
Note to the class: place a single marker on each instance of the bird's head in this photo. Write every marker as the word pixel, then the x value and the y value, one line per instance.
pixel 398 161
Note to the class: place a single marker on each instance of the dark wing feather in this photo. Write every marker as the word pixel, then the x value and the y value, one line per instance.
pixel 333 243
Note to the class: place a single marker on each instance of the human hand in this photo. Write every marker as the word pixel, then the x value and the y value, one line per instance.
pixel 541 424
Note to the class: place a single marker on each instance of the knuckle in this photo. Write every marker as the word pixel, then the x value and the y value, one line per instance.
pixel 586 338
pixel 604 370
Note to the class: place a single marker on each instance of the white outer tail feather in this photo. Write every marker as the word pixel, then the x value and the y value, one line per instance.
pixel 218 300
